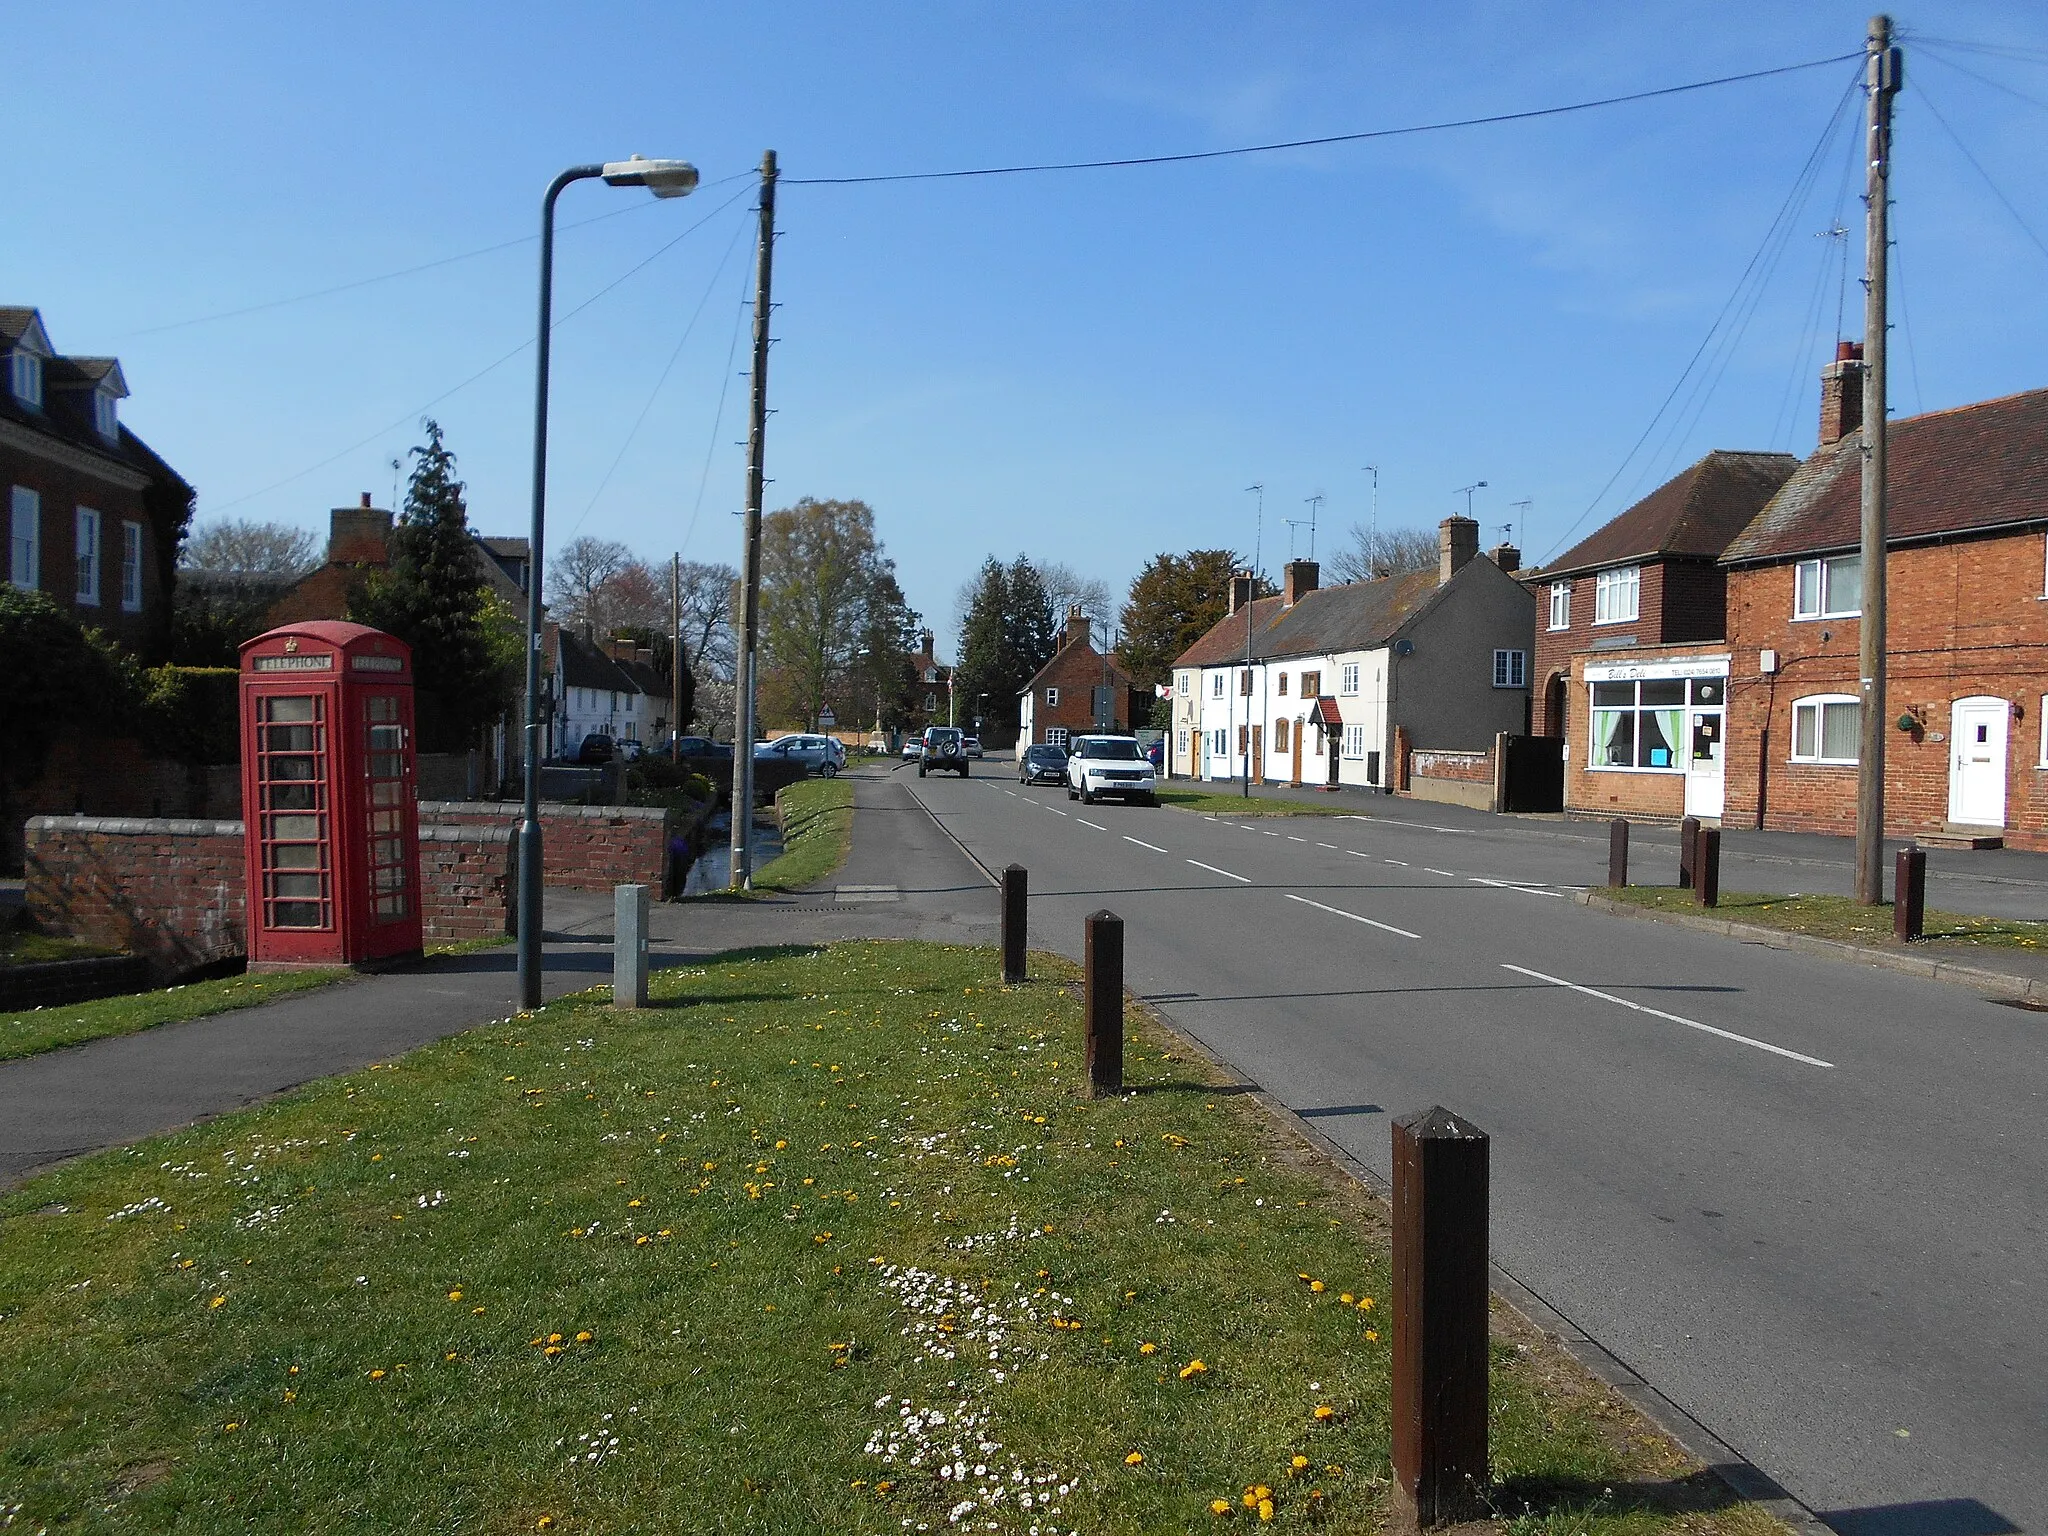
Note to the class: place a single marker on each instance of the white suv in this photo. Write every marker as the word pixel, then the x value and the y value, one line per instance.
pixel 1109 765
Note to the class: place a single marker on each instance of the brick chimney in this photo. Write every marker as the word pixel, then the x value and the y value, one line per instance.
pixel 926 637
pixel 1076 632
pixel 1506 556
pixel 1302 577
pixel 359 535
pixel 1841 393
pixel 1240 590
pixel 1457 541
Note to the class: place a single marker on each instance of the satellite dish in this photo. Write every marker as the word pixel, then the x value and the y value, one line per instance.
pixel 1404 647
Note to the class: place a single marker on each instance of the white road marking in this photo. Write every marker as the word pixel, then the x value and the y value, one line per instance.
pixel 1241 879
pixel 1335 912
pixel 1513 885
pixel 1331 846
pixel 1013 794
pixel 1269 834
pixel 1293 839
pixel 1658 1013
pixel 1084 821
pixel 1448 874
pixel 1056 810
pixel 1356 854
pixel 1398 863
pixel 1143 844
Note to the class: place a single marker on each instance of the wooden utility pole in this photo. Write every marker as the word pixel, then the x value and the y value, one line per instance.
pixel 1884 75
pixel 750 595
pixel 675 657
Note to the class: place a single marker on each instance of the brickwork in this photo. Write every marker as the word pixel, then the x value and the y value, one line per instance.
pixel 118 497
pixel 1641 794
pixel 170 891
pixel 53 983
pixel 583 847
pixel 468 882
pixel 1965 619
pixel 1063 692
pixel 1465 767
pixel 1453 778
pixel 1680 602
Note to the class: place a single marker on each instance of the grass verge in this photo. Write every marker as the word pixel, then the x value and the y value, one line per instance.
pixel 825 1241
pixel 47 1029
pixel 1222 803
pixel 1839 917
pixel 817 831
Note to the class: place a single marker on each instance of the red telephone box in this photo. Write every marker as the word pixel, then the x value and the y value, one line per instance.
pixel 333 845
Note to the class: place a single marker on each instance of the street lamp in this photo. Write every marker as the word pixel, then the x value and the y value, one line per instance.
pixel 664 178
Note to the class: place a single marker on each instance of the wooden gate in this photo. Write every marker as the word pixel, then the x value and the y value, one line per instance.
pixel 1534 773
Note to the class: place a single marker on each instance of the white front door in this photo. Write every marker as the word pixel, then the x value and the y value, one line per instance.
pixel 1976 776
pixel 1705 763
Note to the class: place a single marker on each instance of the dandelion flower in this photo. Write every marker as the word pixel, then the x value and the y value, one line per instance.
pixel 1148 1348
pixel 1324 1413
pixel 554 1338
pixel 1365 1303
pixel 545 1522
pixel 290 1396
pixel 1135 1459
pixel 455 1295
pixel 1372 1335
pixel 1265 1509
pixel 218 1301
pixel 1299 1463
pixel 1193 1369
pixel 378 1374
pixel 1347 1298
pixel 1219 1507
pixel 584 1336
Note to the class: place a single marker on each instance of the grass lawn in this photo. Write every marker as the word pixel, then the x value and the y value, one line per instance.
pixel 20 947
pixel 1231 803
pixel 817 830
pixel 1839 917
pixel 45 1029
pixel 826 1241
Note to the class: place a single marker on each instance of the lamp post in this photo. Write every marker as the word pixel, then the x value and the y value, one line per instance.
pixel 664 178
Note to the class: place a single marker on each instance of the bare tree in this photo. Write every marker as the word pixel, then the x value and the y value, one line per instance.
pixel 707 619
pixel 577 576
pixel 1386 552
pixel 1067 588
pixel 236 551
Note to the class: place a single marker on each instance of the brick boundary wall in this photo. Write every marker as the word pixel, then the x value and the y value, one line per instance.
pixel 173 892
pixel 53 983
pixel 583 847
pixel 1454 778
pixel 170 891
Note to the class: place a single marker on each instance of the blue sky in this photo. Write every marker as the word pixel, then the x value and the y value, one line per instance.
pixel 1087 367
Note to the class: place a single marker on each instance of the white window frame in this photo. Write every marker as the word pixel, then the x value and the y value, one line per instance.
pixel 1560 605
pixel 1817 705
pixel 2043 718
pixel 1052 698
pixel 1823 580
pixel 1618 595
pixel 1510 669
pixel 1216 685
pixel 1354 742
pixel 1219 743
pixel 26 376
pixel 1347 680
pixel 1637 708
pixel 1057 736
pixel 131 567
pixel 106 413
pixel 1180 686
pixel 86 525
pixel 25 550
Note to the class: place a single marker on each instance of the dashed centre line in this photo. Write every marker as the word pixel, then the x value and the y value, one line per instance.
pixel 1143 844
pixel 1353 916
pixel 1241 879
pixel 1398 863
pixel 1448 874
pixel 1658 1013
pixel 1293 839
pixel 1084 821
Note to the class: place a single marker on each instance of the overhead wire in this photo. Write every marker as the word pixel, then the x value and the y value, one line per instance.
pixel 718 417
pixel 1741 285
pixel 739 228
pixel 412 271
pixel 1128 161
pixel 1978 166
pixel 482 372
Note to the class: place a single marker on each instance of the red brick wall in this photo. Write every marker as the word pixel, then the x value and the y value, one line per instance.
pixel 63 491
pixel 1463 767
pixel 171 891
pixel 468 882
pixel 583 847
pixel 1679 602
pixel 1077 671
pixel 1965 619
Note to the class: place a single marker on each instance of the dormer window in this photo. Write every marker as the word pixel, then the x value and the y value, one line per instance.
pixel 27 377
pixel 106 413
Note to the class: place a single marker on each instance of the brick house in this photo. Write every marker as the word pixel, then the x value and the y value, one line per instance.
pixel 358 543
pixel 1078 691
pixel 1631 651
pixel 1344 682
pixel 94 517
pixel 1966 568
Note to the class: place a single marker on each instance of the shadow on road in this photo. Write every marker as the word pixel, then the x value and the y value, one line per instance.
pixel 1927 1517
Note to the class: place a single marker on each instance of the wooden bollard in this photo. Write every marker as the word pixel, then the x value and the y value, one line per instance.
pixel 1016 888
pixel 1909 895
pixel 1617 852
pixel 1688 851
pixel 1706 872
pixel 1440 1294
pixel 1104 988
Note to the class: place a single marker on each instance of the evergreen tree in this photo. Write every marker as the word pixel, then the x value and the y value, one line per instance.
pixel 1006 637
pixel 434 598
pixel 1174 602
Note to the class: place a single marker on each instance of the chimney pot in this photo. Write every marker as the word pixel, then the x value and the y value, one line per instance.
pixel 1841 393
pixel 1240 590
pixel 366 498
pixel 1457 541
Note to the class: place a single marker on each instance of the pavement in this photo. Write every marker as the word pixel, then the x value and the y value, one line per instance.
pixel 903 880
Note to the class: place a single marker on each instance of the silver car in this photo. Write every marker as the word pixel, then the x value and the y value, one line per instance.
pixel 819 754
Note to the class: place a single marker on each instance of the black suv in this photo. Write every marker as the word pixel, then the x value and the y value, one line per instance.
pixel 944 747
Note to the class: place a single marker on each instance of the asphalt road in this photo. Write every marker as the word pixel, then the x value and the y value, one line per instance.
pixel 1804 1198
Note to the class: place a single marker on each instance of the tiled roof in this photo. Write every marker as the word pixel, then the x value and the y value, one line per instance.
pixel 1695 514
pixel 509 548
pixel 1225 641
pixel 14 320
pixel 1966 470
pixel 1362 615
pixel 1118 677
pixel 645 678
pixel 585 666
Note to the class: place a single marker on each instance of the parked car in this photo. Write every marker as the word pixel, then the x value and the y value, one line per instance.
pixel 942 749
pixel 630 750
pixel 596 748
pixel 819 754
pixel 972 745
pixel 699 746
pixel 1110 765
pixel 1156 755
pixel 1042 764
pixel 913 749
